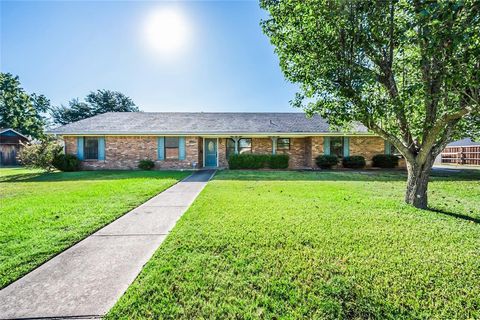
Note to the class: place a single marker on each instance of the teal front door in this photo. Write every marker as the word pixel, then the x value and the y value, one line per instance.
pixel 210 152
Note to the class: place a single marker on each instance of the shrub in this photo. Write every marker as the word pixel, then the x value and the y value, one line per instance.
pixel 385 161
pixel 66 162
pixel 278 161
pixel 40 154
pixel 248 161
pixel 258 161
pixel 146 164
pixel 354 162
pixel 326 161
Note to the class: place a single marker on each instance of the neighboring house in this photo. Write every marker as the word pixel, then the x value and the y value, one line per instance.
pixel 10 144
pixel 195 140
pixel 464 151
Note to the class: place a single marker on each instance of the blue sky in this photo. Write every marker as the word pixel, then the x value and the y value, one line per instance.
pixel 64 49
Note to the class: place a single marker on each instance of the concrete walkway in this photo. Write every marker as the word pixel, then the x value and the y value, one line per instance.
pixel 86 280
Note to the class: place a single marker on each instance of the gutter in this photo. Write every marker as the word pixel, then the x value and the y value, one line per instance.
pixel 215 134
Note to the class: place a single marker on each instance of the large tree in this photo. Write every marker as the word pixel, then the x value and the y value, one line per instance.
pixel 409 70
pixel 98 102
pixel 19 110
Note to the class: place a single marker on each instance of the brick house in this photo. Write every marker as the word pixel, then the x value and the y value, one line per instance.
pixel 177 140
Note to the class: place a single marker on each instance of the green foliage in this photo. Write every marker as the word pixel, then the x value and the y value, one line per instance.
pixel 258 161
pixel 315 245
pixel 19 110
pixel 248 161
pixel 385 161
pixel 66 162
pixel 95 103
pixel 40 154
pixel 354 162
pixel 326 161
pixel 278 161
pixel 43 214
pixel 408 70
pixel 146 164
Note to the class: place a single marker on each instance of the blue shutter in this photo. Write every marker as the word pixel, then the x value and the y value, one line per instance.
pixel 101 148
pixel 161 148
pixel 326 145
pixel 181 148
pixel 80 148
pixel 346 146
pixel 388 148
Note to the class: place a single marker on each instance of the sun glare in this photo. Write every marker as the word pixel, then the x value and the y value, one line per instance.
pixel 166 31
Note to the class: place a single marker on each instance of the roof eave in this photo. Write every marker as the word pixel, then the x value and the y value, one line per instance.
pixel 206 133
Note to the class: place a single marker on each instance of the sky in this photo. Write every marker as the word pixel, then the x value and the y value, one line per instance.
pixel 208 56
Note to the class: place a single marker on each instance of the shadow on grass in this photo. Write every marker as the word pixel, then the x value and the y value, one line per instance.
pixel 455 215
pixel 89 175
pixel 343 175
pixel 244 175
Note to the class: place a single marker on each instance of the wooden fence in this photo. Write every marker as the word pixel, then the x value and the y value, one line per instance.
pixel 461 155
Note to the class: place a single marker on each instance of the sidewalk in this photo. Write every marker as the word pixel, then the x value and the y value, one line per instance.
pixel 87 279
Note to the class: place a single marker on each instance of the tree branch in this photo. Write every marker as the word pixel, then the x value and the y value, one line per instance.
pixel 443 124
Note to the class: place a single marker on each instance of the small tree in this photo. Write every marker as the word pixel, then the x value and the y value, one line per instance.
pixel 98 102
pixel 408 70
pixel 40 154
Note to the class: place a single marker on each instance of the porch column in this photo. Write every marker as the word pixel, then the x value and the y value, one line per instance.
pixel 235 139
pixel 274 144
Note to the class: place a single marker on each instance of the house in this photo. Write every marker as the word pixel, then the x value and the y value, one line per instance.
pixel 178 140
pixel 10 143
pixel 461 152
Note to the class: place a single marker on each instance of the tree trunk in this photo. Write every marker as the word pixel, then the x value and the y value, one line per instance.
pixel 417 183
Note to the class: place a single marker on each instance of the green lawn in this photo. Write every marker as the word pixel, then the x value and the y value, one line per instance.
pixel 43 214
pixel 291 245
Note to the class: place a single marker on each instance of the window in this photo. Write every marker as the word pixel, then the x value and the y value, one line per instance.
pixel 90 149
pixel 171 148
pixel 336 146
pixel 230 147
pixel 245 145
pixel 283 144
pixel 394 151
pixel 390 149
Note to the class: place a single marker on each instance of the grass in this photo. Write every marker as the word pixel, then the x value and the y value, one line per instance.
pixel 338 245
pixel 42 214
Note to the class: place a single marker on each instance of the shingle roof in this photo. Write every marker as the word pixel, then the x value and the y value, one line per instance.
pixel 198 123
pixel 464 143
pixel 2 130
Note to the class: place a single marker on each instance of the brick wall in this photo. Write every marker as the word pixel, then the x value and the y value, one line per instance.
pixel 124 152
pixel 366 147
pixel 262 145
pixel 200 152
pixel 222 153
pixel 297 151
pixel 317 149
pixel 70 145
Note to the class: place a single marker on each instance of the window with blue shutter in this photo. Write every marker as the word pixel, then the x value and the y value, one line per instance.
pixel 181 148
pixel 388 148
pixel 346 146
pixel 80 148
pixel 101 148
pixel 326 145
pixel 161 148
